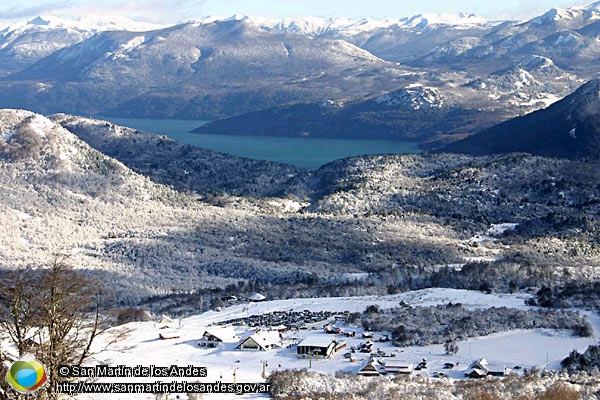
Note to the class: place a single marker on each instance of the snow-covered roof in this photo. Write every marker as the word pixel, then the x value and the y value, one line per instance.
pixel 317 341
pixel 394 363
pixel 372 367
pixel 265 339
pixel 224 333
pixel 480 363
pixel 257 297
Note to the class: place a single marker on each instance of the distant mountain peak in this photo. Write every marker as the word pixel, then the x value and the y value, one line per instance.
pixel 590 13
pixel 308 25
pixel 461 19
pixel 39 21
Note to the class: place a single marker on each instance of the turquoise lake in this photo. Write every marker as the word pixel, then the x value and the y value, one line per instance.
pixel 309 153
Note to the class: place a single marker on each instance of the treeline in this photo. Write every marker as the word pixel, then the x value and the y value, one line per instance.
pixel 572 294
pixel 499 276
pixel 588 362
pixel 422 326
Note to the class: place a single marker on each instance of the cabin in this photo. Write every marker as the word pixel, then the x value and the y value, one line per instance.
pixel 329 328
pixel 400 367
pixel 260 340
pixel 373 367
pixel 215 337
pixel 477 369
pixel 480 368
pixel 317 345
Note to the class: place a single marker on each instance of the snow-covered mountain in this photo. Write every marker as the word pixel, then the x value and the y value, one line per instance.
pixel 400 39
pixel 535 80
pixel 569 16
pixel 568 128
pixel 315 26
pixel 567 36
pixel 220 68
pixel 23 43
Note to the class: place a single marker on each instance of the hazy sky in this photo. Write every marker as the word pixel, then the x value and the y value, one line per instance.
pixel 168 11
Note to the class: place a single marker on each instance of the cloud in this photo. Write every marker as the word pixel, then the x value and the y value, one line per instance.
pixel 25 11
pixel 147 10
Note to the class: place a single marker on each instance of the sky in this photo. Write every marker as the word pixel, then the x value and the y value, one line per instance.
pixel 171 11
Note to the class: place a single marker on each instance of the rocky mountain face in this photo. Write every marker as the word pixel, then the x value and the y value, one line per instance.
pixel 568 128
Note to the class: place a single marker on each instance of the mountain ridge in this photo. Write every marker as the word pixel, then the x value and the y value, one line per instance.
pixel 568 128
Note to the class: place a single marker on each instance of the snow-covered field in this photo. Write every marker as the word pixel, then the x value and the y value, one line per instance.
pixel 138 343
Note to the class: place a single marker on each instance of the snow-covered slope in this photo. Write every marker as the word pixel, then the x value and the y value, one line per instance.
pixel 567 36
pixel 138 343
pixel 534 81
pixel 23 43
pixel 566 16
pixel 205 63
pixel 314 26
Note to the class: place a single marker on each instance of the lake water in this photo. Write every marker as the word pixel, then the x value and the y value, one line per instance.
pixel 309 153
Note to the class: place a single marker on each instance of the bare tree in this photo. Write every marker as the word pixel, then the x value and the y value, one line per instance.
pixel 54 313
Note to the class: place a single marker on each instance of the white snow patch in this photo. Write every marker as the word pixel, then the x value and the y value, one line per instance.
pixel 287 205
pixel 40 125
pixel 20 214
pixel 546 98
pixel 133 43
pixel 499 229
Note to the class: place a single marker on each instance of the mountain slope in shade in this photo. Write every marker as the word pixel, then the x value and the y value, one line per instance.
pixel 183 167
pixel 568 128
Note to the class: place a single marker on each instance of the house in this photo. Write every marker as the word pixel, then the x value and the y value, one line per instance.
pixel 401 367
pixel 256 297
pixel 260 340
pixel 480 368
pixel 215 337
pixel 317 345
pixel 373 367
pixel 477 369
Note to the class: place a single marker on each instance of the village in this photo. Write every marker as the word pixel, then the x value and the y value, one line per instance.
pixel 246 341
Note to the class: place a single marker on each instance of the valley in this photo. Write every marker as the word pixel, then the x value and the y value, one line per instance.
pixel 518 350
pixel 458 225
